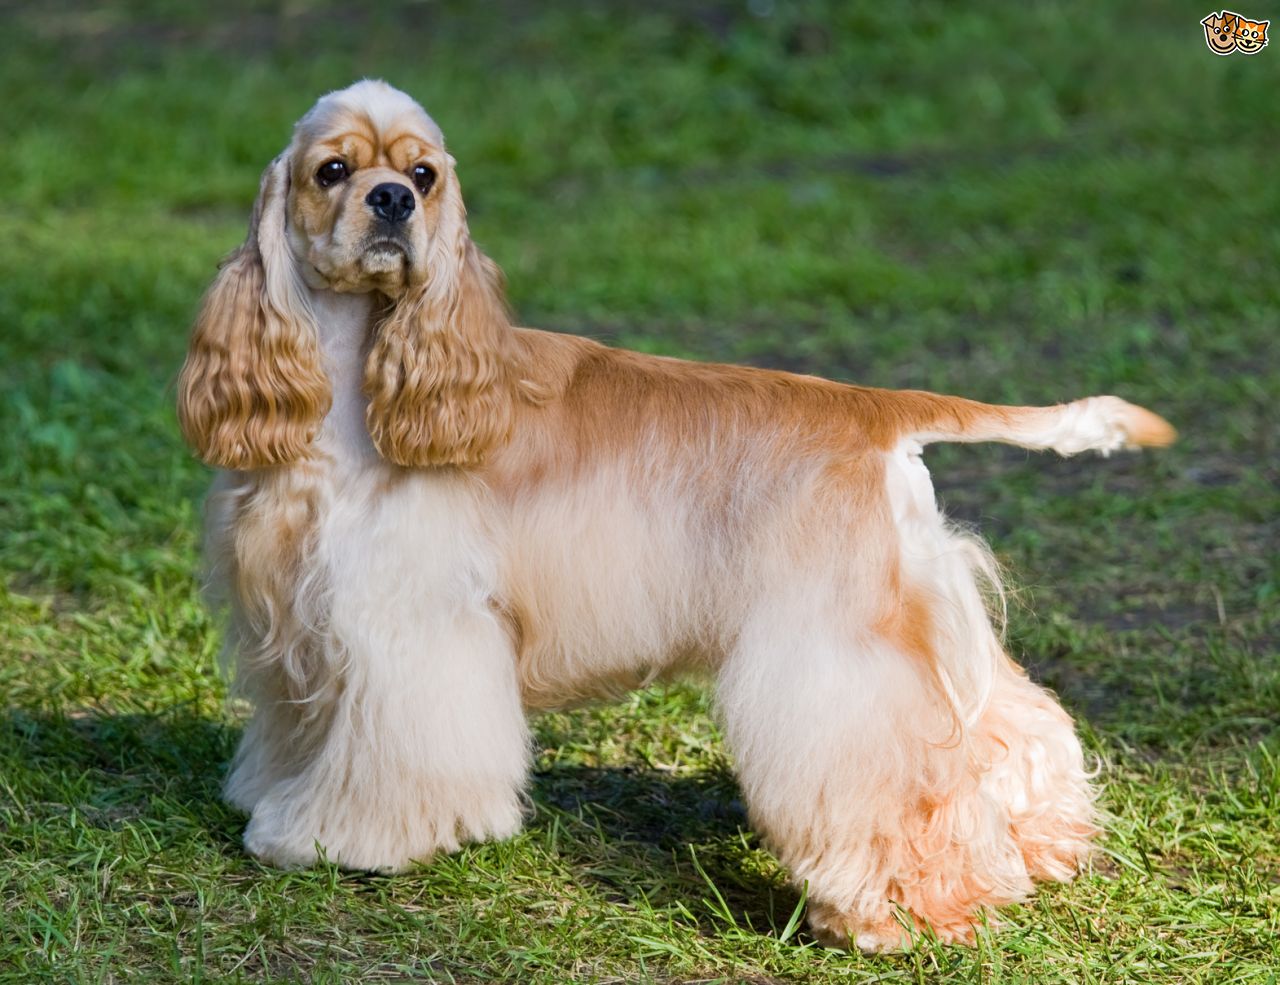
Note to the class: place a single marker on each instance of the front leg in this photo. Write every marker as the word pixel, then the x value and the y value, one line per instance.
pixel 421 743
pixel 425 748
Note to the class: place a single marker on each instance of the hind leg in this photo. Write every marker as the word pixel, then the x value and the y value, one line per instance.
pixel 1037 771
pixel 855 773
pixel 889 751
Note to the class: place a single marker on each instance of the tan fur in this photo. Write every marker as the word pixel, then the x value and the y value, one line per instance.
pixel 491 520
pixel 440 377
pixel 252 392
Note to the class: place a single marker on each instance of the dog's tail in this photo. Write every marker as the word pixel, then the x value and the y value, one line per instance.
pixel 1103 424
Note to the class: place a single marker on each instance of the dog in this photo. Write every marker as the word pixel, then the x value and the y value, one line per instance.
pixel 429 524
pixel 1220 32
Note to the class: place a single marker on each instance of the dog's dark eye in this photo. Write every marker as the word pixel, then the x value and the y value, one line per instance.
pixel 331 172
pixel 423 178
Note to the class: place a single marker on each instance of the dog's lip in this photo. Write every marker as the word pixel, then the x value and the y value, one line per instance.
pixel 386 244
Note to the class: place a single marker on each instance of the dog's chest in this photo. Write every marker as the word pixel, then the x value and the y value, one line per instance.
pixel 344 322
pixel 346 542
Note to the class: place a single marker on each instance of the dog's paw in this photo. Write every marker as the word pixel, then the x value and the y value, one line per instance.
pixel 881 935
pixel 272 847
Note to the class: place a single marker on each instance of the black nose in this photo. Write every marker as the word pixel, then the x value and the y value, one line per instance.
pixel 391 201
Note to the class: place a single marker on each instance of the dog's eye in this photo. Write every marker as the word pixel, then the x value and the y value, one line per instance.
pixel 423 178
pixel 331 172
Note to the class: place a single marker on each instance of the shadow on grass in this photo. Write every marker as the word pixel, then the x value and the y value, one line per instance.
pixel 665 840
pixel 673 840
pixel 118 768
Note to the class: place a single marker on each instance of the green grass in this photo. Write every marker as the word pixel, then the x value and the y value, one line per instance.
pixel 1023 204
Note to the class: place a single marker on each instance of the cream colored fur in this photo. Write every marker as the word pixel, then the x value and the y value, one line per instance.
pixel 634 518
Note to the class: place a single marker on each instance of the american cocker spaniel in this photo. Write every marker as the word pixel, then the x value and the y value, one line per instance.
pixel 430 523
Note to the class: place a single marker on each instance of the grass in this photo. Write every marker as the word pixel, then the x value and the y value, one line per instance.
pixel 1021 204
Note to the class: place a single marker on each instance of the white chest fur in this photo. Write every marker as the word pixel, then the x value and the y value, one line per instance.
pixel 388 721
pixel 388 536
pixel 343 325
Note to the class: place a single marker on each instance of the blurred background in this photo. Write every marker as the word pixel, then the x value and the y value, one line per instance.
pixel 1022 203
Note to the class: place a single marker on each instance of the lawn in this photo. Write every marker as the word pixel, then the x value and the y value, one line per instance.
pixel 1021 203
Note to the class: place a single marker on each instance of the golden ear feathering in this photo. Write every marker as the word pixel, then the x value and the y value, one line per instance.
pixel 252 392
pixel 440 375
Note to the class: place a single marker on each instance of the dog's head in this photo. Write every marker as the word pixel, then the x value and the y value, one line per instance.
pixel 371 190
pixel 365 199
pixel 1220 32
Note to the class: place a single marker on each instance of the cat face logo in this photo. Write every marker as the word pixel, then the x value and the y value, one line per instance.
pixel 1226 32
pixel 1220 32
pixel 1251 36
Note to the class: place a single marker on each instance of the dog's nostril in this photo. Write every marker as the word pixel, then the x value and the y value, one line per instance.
pixel 391 201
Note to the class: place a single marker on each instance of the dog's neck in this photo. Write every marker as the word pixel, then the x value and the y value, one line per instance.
pixel 344 323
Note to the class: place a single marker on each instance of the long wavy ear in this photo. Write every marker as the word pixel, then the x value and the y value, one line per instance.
pixel 252 391
pixel 440 374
